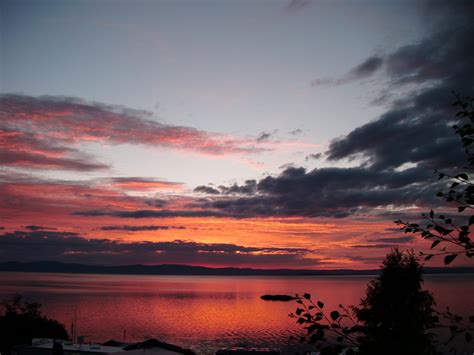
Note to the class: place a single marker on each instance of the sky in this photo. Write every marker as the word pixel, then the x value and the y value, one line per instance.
pixel 266 134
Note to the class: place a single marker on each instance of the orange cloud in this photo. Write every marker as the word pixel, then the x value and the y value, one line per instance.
pixel 143 184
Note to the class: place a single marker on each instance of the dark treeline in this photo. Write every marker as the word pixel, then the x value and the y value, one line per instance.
pixel 58 267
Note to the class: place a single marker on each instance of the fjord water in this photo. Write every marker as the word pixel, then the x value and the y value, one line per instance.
pixel 201 312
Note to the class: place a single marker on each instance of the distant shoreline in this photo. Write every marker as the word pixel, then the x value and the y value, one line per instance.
pixel 183 270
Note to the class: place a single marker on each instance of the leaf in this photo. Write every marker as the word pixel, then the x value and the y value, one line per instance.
pixel 313 327
pixel 307 296
pixel 435 243
pixel 334 315
pixel 449 258
pixel 461 208
pixel 320 304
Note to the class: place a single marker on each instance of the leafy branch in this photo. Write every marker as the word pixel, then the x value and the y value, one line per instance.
pixel 333 332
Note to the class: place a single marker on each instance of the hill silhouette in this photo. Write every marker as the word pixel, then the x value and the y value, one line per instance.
pixel 167 269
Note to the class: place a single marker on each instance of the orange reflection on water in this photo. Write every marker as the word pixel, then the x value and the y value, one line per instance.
pixel 200 311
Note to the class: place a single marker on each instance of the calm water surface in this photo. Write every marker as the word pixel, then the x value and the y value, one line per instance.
pixel 201 312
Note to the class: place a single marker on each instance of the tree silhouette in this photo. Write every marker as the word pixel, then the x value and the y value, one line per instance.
pixel 22 321
pixel 396 312
pixel 393 318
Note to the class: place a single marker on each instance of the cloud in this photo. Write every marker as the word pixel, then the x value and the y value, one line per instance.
pixel 71 247
pixel 264 136
pixel 374 246
pixel 44 133
pixel 25 149
pixel 397 152
pixel 22 194
pixel 297 5
pixel 142 184
pixel 316 156
pixel 149 213
pixel 416 129
pixel 206 190
pixel 249 187
pixel 325 192
pixel 404 239
pixel 139 228
pixel 296 132
pixel 296 192
pixel 366 68
pixel 362 71
pixel 443 59
pixel 33 227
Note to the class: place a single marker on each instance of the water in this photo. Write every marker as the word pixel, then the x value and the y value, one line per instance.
pixel 200 312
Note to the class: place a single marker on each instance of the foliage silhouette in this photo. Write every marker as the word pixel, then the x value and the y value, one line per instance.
pixel 396 312
pixel 22 321
pixel 393 318
pixel 445 231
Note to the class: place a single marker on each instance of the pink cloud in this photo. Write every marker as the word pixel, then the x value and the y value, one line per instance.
pixel 43 132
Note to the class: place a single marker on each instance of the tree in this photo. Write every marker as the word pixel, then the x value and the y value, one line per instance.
pixel 396 312
pixel 22 321
pixel 451 234
pixel 393 318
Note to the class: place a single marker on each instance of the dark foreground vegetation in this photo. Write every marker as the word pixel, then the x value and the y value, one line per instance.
pixel 21 321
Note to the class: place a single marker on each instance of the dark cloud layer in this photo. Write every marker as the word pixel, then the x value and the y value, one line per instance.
pixel 150 213
pixel 33 227
pixel 71 247
pixel 326 192
pixel 404 239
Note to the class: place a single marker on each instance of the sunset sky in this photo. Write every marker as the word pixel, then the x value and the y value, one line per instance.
pixel 266 134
